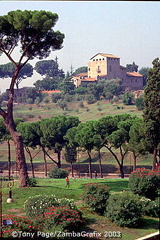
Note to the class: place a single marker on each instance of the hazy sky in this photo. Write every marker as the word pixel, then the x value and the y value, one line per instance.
pixel 130 30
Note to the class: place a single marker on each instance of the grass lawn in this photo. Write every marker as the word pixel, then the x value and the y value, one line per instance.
pixel 94 221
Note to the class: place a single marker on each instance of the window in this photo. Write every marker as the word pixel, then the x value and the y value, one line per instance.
pixel 88 69
pixel 110 68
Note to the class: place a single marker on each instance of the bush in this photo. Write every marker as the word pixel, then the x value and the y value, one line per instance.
pixel 150 208
pixel 58 173
pixel 95 196
pixel 140 103
pixel 124 209
pixel 38 204
pixel 31 182
pixel 90 98
pixel 127 98
pixel 61 218
pixel 145 183
pixel 19 224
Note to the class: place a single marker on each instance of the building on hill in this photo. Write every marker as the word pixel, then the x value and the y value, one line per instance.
pixel 107 66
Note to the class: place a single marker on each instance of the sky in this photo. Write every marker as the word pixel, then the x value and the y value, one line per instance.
pixel 127 29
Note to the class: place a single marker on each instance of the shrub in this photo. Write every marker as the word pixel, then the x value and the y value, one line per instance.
pixel 145 182
pixel 30 101
pixel 127 98
pixel 31 182
pixel 62 218
pixel 19 224
pixel 140 103
pixel 124 209
pixel 81 104
pixel 95 196
pixel 150 208
pixel 90 98
pixel 38 204
pixel 58 173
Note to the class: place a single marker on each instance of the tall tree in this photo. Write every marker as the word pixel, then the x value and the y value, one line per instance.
pixel 31 34
pixel 137 141
pixel 132 67
pixel 31 139
pixel 79 70
pixel 152 108
pixel 53 75
pixel 144 71
pixel 53 132
pixel 85 139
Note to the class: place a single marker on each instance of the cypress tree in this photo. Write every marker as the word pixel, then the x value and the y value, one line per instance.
pixel 152 108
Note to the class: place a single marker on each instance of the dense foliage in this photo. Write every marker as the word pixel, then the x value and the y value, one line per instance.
pixel 58 173
pixel 150 208
pixel 62 219
pixel 145 182
pixel 38 204
pixel 96 196
pixel 19 225
pixel 124 209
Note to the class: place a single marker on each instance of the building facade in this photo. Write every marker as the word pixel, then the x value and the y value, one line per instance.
pixel 107 66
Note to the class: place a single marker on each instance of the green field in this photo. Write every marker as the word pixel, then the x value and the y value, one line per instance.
pixel 94 221
pixel 32 112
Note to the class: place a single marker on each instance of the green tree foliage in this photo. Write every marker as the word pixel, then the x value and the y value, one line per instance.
pixel 152 108
pixel 79 70
pixel 53 132
pixel 144 71
pixel 53 75
pixel 132 67
pixel 31 34
pixel 127 98
pixel 137 142
pixel 67 86
pixel 139 102
pixel 114 133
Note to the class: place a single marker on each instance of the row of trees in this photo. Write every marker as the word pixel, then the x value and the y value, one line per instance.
pixel 119 135
pixel 31 34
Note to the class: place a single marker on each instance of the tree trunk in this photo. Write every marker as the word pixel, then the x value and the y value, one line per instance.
pixel 45 161
pixel 154 158
pixel 100 164
pixel 19 150
pixel 121 170
pixel 134 161
pixel 9 160
pixel 90 164
pixel 59 159
pixel 72 169
pixel 31 161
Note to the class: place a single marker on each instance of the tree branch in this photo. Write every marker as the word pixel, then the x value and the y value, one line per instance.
pixel 50 157
pixel 114 155
pixel 3 113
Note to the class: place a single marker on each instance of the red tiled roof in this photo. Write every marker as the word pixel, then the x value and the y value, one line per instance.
pixel 134 74
pixel 81 74
pixel 89 80
pixel 51 91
